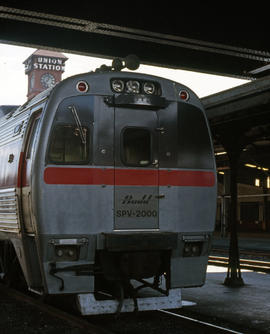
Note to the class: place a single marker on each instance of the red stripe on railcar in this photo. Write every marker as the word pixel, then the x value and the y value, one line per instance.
pixel 136 177
pixel 83 176
pixel 128 177
pixel 186 178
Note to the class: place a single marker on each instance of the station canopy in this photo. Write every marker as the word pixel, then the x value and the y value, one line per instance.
pixel 193 36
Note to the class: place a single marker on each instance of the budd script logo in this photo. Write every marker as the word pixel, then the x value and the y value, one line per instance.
pixel 129 199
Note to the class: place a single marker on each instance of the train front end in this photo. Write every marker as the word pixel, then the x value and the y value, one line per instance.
pixel 125 196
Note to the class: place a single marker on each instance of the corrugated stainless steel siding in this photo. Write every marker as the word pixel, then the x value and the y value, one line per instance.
pixel 12 128
pixel 9 211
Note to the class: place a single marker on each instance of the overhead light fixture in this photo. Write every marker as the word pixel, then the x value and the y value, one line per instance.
pixel 220 153
pixel 258 167
pixel 250 165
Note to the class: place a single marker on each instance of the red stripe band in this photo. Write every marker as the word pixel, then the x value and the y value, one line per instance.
pixel 128 177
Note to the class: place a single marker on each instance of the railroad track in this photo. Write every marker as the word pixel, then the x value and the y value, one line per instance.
pixel 255 265
pixel 200 326
pixel 255 253
pixel 143 322
pixel 71 320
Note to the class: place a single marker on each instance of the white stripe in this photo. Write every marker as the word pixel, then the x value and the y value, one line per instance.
pixel 200 322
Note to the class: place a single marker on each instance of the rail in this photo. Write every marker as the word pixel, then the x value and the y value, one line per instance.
pixel 255 265
pixel 201 326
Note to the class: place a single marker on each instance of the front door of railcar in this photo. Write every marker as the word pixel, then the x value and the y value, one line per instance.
pixel 136 195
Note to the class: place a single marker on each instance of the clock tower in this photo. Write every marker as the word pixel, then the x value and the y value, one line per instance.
pixel 44 69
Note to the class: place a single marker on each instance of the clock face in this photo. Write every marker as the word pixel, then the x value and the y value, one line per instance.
pixel 47 80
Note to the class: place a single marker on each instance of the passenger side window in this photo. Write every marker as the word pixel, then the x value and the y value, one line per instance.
pixel 136 147
pixel 69 145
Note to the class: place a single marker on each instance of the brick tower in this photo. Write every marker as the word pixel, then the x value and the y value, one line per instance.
pixel 44 69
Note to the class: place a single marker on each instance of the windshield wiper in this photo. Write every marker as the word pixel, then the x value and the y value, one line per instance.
pixel 78 123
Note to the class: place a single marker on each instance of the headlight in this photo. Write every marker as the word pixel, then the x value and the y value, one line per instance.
pixel 149 88
pixel 118 86
pixel 66 253
pixel 192 249
pixel 133 86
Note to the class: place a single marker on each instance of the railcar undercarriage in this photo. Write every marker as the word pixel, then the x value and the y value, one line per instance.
pixel 124 274
pixel 121 276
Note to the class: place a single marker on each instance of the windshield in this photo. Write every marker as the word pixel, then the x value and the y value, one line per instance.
pixel 70 138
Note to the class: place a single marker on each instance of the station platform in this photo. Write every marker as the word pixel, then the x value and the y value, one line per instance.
pixel 245 307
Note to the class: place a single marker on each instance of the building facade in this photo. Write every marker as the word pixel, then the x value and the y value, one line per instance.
pixel 44 69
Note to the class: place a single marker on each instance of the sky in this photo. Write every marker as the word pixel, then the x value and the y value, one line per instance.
pixel 13 81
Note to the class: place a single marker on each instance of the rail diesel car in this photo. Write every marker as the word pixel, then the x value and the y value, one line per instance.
pixel 107 191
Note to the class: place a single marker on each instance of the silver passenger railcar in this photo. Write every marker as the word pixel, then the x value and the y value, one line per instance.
pixel 107 191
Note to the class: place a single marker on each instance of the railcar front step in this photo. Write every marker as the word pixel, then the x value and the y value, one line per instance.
pixel 89 305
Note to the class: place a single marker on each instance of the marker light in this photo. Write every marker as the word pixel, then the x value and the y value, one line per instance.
pixel 149 88
pixel 184 95
pixel 82 87
pixel 118 85
pixel 133 86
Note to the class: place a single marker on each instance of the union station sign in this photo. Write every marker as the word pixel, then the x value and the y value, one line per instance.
pixel 48 61
pixel 45 63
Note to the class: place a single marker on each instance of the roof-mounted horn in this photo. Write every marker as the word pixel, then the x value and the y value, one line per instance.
pixel 130 62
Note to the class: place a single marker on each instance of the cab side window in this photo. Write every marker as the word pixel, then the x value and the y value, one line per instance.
pixel 32 138
pixel 194 144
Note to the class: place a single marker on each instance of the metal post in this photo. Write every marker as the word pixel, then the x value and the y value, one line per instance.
pixel 233 278
pixel 265 206
pixel 225 205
